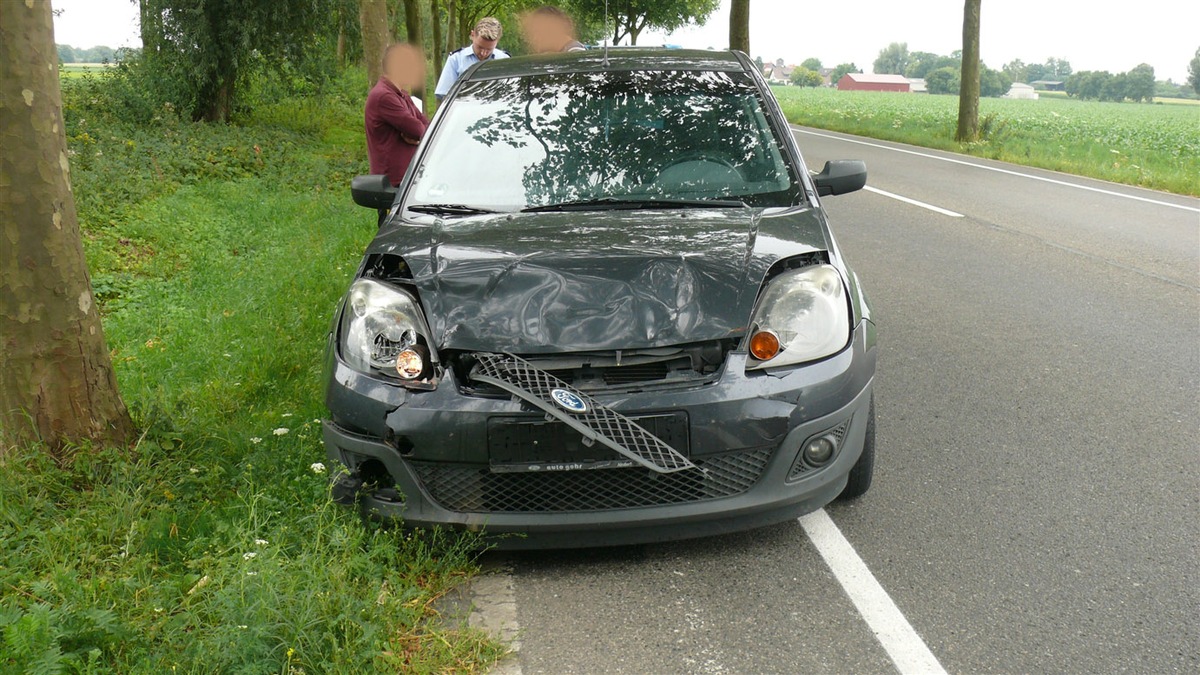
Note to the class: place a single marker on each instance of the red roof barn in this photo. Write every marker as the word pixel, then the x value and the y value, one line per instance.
pixel 864 82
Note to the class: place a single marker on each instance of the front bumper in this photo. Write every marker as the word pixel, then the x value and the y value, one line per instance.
pixel 762 417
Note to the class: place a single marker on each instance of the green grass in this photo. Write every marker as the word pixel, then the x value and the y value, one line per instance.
pixel 1153 146
pixel 212 546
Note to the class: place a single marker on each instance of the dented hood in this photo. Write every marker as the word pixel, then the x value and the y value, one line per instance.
pixel 585 281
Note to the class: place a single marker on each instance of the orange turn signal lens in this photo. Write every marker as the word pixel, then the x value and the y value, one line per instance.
pixel 764 345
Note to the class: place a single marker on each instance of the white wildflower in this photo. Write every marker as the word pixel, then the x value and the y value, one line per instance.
pixel 260 542
pixel 256 440
pixel 281 431
pixel 286 415
pixel 248 555
pixel 251 574
pixel 317 467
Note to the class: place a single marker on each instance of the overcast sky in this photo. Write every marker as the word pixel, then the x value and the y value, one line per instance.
pixel 1091 35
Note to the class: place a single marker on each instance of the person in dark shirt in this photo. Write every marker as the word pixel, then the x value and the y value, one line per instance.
pixel 395 125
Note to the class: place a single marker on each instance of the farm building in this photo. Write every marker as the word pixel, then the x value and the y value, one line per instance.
pixel 918 85
pixel 1022 91
pixel 865 82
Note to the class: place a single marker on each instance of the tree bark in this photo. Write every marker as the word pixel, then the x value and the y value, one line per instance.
pixel 56 378
pixel 439 46
pixel 739 25
pixel 451 25
pixel 968 94
pixel 412 22
pixel 373 20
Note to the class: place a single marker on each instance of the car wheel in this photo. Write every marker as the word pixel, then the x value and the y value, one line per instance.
pixel 860 474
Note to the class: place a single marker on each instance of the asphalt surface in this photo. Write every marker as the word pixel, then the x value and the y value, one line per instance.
pixel 1036 505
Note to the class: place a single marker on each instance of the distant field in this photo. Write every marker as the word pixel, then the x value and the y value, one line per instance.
pixel 72 70
pixel 1154 146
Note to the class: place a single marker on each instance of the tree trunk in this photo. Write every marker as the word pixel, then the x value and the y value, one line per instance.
pixel 451 25
pixel 373 20
pixel 341 48
pixel 968 95
pixel 739 25
pixel 412 22
pixel 439 47
pixel 150 27
pixel 56 378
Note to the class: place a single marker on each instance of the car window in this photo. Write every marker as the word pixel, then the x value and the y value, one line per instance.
pixel 511 144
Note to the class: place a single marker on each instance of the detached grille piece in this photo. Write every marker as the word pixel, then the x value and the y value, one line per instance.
pixel 594 421
pixel 477 490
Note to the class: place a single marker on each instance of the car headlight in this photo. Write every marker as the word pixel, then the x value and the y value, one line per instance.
pixel 383 331
pixel 802 316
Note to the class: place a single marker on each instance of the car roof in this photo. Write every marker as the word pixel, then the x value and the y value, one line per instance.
pixel 596 60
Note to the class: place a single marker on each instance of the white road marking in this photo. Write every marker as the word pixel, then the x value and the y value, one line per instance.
pixel 906 649
pixel 906 200
pixel 999 170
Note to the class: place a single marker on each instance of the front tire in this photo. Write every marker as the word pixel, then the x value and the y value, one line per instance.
pixel 861 473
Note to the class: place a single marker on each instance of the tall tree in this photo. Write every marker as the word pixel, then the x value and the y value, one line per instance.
pixel 1139 83
pixel 892 59
pixel 1194 72
pixel 968 93
pixel 412 22
pixel 812 63
pixel 629 18
pixel 207 46
pixel 739 25
pixel 373 20
pixel 56 377
pixel 439 44
pixel 840 71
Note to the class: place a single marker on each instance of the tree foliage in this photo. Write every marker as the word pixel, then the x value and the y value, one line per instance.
pixel 943 81
pixel 1194 72
pixel 812 64
pixel 921 64
pixel 805 77
pixel 840 71
pixel 993 83
pixel 202 50
pixel 629 18
pixel 893 59
pixel 1137 85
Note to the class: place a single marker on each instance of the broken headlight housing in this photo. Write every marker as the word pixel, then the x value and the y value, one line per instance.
pixel 383 332
pixel 803 315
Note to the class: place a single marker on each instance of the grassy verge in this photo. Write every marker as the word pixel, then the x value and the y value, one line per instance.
pixel 1153 146
pixel 212 546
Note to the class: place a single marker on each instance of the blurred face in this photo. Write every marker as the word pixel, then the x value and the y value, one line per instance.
pixel 543 34
pixel 405 67
pixel 482 46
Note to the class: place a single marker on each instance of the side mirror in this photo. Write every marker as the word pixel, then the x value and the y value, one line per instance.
pixel 841 176
pixel 374 191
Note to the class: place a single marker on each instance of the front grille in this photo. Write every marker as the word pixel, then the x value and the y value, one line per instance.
pixel 594 420
pixel 477 490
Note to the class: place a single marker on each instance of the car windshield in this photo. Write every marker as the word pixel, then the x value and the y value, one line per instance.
pixel 605 140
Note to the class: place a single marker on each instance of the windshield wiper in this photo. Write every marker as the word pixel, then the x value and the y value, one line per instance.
pixel 449 209
pixel 614 203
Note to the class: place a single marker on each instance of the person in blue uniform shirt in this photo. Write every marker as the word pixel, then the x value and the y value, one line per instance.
pixel 484 37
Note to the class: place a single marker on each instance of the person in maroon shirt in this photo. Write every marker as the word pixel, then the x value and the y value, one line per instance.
pixel 395 124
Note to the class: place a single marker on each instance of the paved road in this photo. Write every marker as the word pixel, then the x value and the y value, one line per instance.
pixel 1037 497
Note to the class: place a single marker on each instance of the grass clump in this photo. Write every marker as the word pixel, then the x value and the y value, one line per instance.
pixel 218 254
pixel 1152 146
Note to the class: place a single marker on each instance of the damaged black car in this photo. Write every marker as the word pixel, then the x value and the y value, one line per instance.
pixel 604 307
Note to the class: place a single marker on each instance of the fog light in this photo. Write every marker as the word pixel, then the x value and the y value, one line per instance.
pixel 410 364
pixel 819 450
pixel 764 345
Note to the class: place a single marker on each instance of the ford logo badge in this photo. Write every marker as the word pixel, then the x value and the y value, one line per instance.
pixel 568 401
